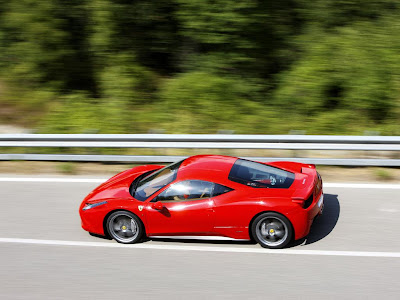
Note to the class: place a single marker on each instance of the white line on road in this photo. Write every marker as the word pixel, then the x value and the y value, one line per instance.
pixel 51 179
pixel 362 185
pixel 100 180
pixel 388 210
pixel 201 248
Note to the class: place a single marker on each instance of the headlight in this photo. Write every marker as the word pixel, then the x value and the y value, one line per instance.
pixel 91 205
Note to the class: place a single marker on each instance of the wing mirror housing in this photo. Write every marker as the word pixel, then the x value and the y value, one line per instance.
pixel 157 205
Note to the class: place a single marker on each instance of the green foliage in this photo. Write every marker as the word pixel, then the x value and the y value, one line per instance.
pixel 32 41
pixel 125 81
pixel 330 14
pixel 383 174
pixel 78 113
pixel 241 37
pixel 42 42
pixel 353 69
pixel 67 168
pixel 202 102
pixel 197 66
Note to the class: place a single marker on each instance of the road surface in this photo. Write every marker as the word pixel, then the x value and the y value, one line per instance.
pixel 352 252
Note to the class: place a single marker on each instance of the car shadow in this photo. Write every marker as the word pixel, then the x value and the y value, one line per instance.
pixel 324 224
pixel 199 241
pixel 107 237
pixel 104 237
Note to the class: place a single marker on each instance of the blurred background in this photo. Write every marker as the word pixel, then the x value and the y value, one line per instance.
pixel 200 66
pixel 329 67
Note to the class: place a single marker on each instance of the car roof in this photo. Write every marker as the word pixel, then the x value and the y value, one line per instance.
pixel 214 168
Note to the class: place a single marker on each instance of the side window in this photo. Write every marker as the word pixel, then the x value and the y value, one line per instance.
pixel 188 190
pixel 220 189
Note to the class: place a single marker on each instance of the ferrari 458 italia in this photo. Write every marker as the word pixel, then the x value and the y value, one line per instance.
pixel 207 195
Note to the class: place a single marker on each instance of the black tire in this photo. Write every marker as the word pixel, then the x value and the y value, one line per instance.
pixel 272 230
pixel 125 227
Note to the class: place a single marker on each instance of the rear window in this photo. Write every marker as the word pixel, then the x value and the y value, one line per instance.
pixel 258 175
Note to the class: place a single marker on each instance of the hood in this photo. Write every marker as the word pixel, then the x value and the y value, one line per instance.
pixel 118 185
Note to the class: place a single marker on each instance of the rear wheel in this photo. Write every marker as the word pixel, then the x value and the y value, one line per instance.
pixel 125 227
pixel 272 230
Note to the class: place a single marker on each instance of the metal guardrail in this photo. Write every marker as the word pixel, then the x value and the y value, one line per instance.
pixel 238 138
pixel 144 159
pixel 202 141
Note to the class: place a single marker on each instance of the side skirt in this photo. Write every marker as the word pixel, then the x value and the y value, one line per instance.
pixel 196 237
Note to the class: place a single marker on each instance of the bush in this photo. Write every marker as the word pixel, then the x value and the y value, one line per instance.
pixel 351 69
pixel 198 102
pixel 78 113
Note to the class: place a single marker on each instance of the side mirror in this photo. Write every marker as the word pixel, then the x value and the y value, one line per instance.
pixel 157 205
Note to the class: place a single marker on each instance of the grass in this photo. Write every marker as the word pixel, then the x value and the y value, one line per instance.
pixel 67 168
pixel 383 174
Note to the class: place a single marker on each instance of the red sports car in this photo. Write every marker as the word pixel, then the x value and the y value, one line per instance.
pixel 207 195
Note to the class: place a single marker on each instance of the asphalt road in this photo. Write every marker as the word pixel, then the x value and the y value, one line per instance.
pixel 358 220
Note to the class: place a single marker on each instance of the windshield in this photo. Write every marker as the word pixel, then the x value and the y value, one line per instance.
pixel 156 181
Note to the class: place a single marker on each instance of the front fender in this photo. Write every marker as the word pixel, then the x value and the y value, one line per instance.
pixel 93 219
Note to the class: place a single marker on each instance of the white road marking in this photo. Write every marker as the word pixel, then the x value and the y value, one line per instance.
pixel 362 185
pixel 101 180
pixel 51 179
pixel 389 210
pixel 201 248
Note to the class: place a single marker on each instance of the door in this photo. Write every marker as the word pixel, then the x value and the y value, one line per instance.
pixel 184 208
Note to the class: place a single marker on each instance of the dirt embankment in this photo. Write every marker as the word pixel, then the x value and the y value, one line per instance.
pixel 329 174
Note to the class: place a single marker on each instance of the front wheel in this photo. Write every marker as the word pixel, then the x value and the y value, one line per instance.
pixel 125 227
pixel 272 230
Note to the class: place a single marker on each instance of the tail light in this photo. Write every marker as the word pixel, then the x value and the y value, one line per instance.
pixel 305 203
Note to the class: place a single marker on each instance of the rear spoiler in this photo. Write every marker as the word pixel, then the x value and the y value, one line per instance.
pixel 305 169
pixel 304 192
